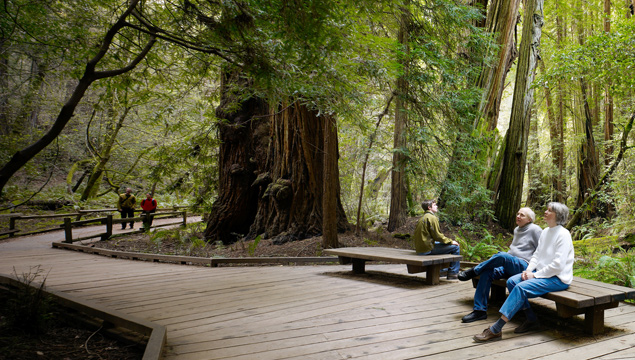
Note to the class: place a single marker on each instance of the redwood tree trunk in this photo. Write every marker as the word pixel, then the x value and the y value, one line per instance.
pixel 398 190
pixel 272 174
pixel 509 194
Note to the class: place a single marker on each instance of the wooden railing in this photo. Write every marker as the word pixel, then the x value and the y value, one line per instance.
pixel 14 231
pixel 109 221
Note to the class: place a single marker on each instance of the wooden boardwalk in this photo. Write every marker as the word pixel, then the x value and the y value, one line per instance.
pixel 306 312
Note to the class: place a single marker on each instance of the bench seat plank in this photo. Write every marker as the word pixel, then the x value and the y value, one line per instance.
pixel 583 296
pixel 430 264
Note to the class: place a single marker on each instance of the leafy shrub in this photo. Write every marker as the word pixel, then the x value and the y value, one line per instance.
pixel 603 260
pixel 29 309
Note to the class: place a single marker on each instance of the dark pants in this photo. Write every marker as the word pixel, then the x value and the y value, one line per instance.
pixel 147 220
pixel 127 213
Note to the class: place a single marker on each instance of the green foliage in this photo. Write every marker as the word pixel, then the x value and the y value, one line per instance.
pixel 29 309
pixel 252 247
pixel 371 242
pixel 618 268
pixel 483 249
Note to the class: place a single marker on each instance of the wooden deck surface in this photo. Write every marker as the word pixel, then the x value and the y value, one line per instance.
pixel 307 312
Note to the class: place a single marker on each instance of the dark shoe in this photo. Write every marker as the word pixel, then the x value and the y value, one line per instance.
pixel 475 315
pixel 527 326
pixel 488 335
pixel 452 277
pixel 467 274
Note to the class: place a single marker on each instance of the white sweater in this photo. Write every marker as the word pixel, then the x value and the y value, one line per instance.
pixel 554 255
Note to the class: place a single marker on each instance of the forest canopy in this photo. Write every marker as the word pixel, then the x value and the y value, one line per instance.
pixel 290 119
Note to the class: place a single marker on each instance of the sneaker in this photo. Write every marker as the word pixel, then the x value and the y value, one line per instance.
pixel 467 274
pixel 475 315
pixel 527 326
pixel 488 335
pixel 452 277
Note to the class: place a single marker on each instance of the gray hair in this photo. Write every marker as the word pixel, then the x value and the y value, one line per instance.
pixel 530 213
pixel 561 210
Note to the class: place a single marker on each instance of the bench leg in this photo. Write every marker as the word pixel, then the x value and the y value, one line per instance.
pixel 594 321
pixel 593 316
pixel 359 266
pixel 433 272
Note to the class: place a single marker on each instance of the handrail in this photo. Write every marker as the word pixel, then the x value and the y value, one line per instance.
pixel 109 221
pixel 13 231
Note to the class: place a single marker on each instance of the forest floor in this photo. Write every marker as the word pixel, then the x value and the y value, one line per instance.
pixel 61 339
pixel 164 242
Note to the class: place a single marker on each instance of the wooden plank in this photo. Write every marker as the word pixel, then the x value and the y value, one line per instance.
pixel 408 257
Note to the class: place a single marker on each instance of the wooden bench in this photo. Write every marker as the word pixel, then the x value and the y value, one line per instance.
pixel 583 296
pixel 430 264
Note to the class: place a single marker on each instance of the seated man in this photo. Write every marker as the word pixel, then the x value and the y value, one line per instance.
pixel 429 240
pixel 503 265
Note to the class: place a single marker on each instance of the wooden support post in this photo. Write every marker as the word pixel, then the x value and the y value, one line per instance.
pixel 433 273
pixel 108 233
pixel 184 218
pixel 12 224
pixel 79 215
pixel 359 266
pixel 68 231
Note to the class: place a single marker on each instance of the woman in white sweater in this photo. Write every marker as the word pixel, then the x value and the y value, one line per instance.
pixel 550 269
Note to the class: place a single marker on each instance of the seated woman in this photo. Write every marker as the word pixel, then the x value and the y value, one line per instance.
pixel 550 269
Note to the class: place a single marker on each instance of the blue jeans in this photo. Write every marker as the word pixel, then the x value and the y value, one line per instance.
pixel 500 265
pixel 520 291
pixel 440 249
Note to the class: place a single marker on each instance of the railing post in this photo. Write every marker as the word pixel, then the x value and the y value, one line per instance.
pixel 108 233
pixel 12 224
pixel 184 218
pixel 79 215
pixel 68 231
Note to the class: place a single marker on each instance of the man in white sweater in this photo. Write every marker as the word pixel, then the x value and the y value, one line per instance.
pixel 550 269
pixel 503 264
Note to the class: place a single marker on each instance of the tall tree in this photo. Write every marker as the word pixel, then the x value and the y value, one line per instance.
pixel 398 204
pixel 509 194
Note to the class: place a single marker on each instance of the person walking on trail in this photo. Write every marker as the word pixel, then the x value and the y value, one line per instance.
pixel 503 265
pixel 126 205
pixel 148 206
pixel 428 239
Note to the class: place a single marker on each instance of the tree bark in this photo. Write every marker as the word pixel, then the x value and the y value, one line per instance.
pixel 588 169
pixel 398 193
pixel 271 178
pixel 509 194
pixel 501 20
pixel 331 185
pixel 608 97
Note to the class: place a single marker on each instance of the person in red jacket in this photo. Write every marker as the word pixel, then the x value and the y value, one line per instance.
pixel 148 206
